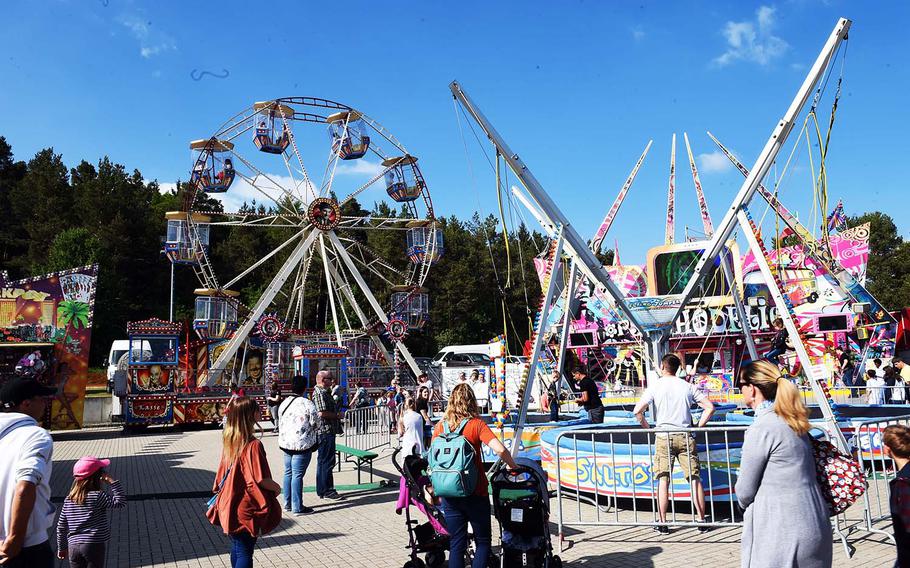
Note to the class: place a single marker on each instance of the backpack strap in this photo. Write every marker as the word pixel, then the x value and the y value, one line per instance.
pixel 462 426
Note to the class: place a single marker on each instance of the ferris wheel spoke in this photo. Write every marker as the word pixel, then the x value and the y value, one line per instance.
pixel 371 222
pixel 270 220
pixel 303 170
pixel 268 295
pixel 267 195
pixel 329 288
pixel 371 299
pixel 329 178
pixel 299 197
pixel 370 260
pixel 348 291
pixel 264 259
pixel 366 186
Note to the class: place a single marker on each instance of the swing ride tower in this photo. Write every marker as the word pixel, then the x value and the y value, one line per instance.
pixel 654 317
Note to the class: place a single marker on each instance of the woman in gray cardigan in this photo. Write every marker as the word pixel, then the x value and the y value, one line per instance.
pixel 786 518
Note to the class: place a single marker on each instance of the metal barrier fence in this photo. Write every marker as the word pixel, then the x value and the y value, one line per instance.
pixel 880 471
pixel 600 470
pixel 601 467
pixel 368 428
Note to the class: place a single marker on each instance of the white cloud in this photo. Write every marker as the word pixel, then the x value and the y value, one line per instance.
pixel 361 167
pixel 638 33
pixel 151 41
pixel 752 41
pixel 266 192
pixel 166 187
pixel 712 163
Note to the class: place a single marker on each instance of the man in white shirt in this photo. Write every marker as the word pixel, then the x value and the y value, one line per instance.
pixel 26 512
pixel 875 387
pixel 672 398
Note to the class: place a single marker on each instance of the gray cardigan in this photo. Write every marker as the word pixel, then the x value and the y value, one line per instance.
pixel 786 518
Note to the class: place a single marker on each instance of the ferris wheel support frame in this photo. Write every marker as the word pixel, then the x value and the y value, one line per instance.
pixel 268 295
pixel 329 289
pixel 371 299
pixel 364 321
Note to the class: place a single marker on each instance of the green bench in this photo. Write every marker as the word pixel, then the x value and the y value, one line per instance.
pixel 359 457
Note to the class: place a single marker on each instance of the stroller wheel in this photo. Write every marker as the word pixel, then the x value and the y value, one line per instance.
pixel 436 559
pixel 555 562
pixel 414 563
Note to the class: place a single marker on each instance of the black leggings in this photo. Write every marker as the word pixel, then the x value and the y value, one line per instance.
pixel 90 555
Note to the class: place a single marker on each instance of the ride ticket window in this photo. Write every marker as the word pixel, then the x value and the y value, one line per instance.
pixel 153 349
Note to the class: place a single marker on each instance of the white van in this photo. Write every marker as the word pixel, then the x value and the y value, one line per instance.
pixel 464 355
pixel 118 349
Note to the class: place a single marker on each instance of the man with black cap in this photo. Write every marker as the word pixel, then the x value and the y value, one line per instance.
pixel 26 512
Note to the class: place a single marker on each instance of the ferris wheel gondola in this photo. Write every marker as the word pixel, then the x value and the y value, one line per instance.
pixel 323 243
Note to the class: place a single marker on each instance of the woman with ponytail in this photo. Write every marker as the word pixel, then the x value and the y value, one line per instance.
pixel 786 517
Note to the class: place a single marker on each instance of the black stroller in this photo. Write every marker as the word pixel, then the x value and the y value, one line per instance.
pixel 521 504
pixel 429 537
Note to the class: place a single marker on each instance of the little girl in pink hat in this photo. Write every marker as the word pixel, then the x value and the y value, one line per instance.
pixel 83 528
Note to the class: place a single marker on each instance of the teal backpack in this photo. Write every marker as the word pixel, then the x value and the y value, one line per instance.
pixel 453 471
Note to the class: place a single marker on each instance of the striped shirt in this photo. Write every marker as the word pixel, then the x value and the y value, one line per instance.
pixel 88 523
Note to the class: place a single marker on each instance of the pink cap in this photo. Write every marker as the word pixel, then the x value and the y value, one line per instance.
pixel 87 465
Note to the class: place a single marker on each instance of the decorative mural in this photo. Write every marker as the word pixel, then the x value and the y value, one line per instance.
pixel 45 331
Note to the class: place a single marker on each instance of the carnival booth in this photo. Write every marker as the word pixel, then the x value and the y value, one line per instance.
pixel 309 360
pixel 152 369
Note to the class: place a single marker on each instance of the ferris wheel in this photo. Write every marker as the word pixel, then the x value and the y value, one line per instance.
pixel 292 157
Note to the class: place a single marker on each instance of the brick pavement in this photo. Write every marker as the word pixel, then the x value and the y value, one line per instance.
pixel 168 528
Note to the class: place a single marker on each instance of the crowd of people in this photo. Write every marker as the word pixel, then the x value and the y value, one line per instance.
pixel 786 516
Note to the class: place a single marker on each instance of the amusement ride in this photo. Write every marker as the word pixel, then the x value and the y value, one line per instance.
pixel 322 149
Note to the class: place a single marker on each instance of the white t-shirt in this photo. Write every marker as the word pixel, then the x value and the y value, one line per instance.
pixel 672 398
pixel 27 449
pixel 413 432
pixel 876 389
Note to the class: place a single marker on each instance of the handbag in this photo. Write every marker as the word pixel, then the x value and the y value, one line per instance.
pixel 840 477
pixel 214 498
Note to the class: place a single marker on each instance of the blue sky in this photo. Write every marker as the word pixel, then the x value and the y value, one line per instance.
pixel 577 88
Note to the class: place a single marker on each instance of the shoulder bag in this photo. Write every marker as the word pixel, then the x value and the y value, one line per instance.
pixel 840 477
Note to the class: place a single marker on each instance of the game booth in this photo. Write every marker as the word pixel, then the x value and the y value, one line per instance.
pixel 45 332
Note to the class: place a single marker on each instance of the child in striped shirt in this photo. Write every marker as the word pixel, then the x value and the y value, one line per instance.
pixel 83 528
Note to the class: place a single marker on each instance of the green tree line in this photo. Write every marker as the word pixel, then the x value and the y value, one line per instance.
pixel 56 217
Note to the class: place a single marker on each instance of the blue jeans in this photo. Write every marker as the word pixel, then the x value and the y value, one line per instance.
pixel 242 545
pixel 774 354
pixel 294 469
pixel 325 463
pixel 458 512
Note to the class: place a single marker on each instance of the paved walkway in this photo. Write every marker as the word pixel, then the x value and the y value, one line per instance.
pixel 169 473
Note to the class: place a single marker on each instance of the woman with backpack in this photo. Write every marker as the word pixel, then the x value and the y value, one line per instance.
pixel 465 498
pixel 297 428
pixel 246 504
pixel 777 477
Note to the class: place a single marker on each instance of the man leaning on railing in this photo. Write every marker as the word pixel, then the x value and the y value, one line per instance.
pixel 672 398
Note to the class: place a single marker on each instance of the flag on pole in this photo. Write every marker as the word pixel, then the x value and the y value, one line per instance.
pixel 837 220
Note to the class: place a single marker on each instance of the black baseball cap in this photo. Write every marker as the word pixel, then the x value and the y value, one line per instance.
pixel 19 389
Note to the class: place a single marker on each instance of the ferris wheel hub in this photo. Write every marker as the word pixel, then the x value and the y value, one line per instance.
pixel 324 213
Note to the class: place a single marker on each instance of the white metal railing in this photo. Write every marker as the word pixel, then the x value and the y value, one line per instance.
pixel 880 471
pixel 368 428
pixel 603 477
pixel 600 467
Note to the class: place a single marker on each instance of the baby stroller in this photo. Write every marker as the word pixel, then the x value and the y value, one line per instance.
pixel 429 537
pixel 521 504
